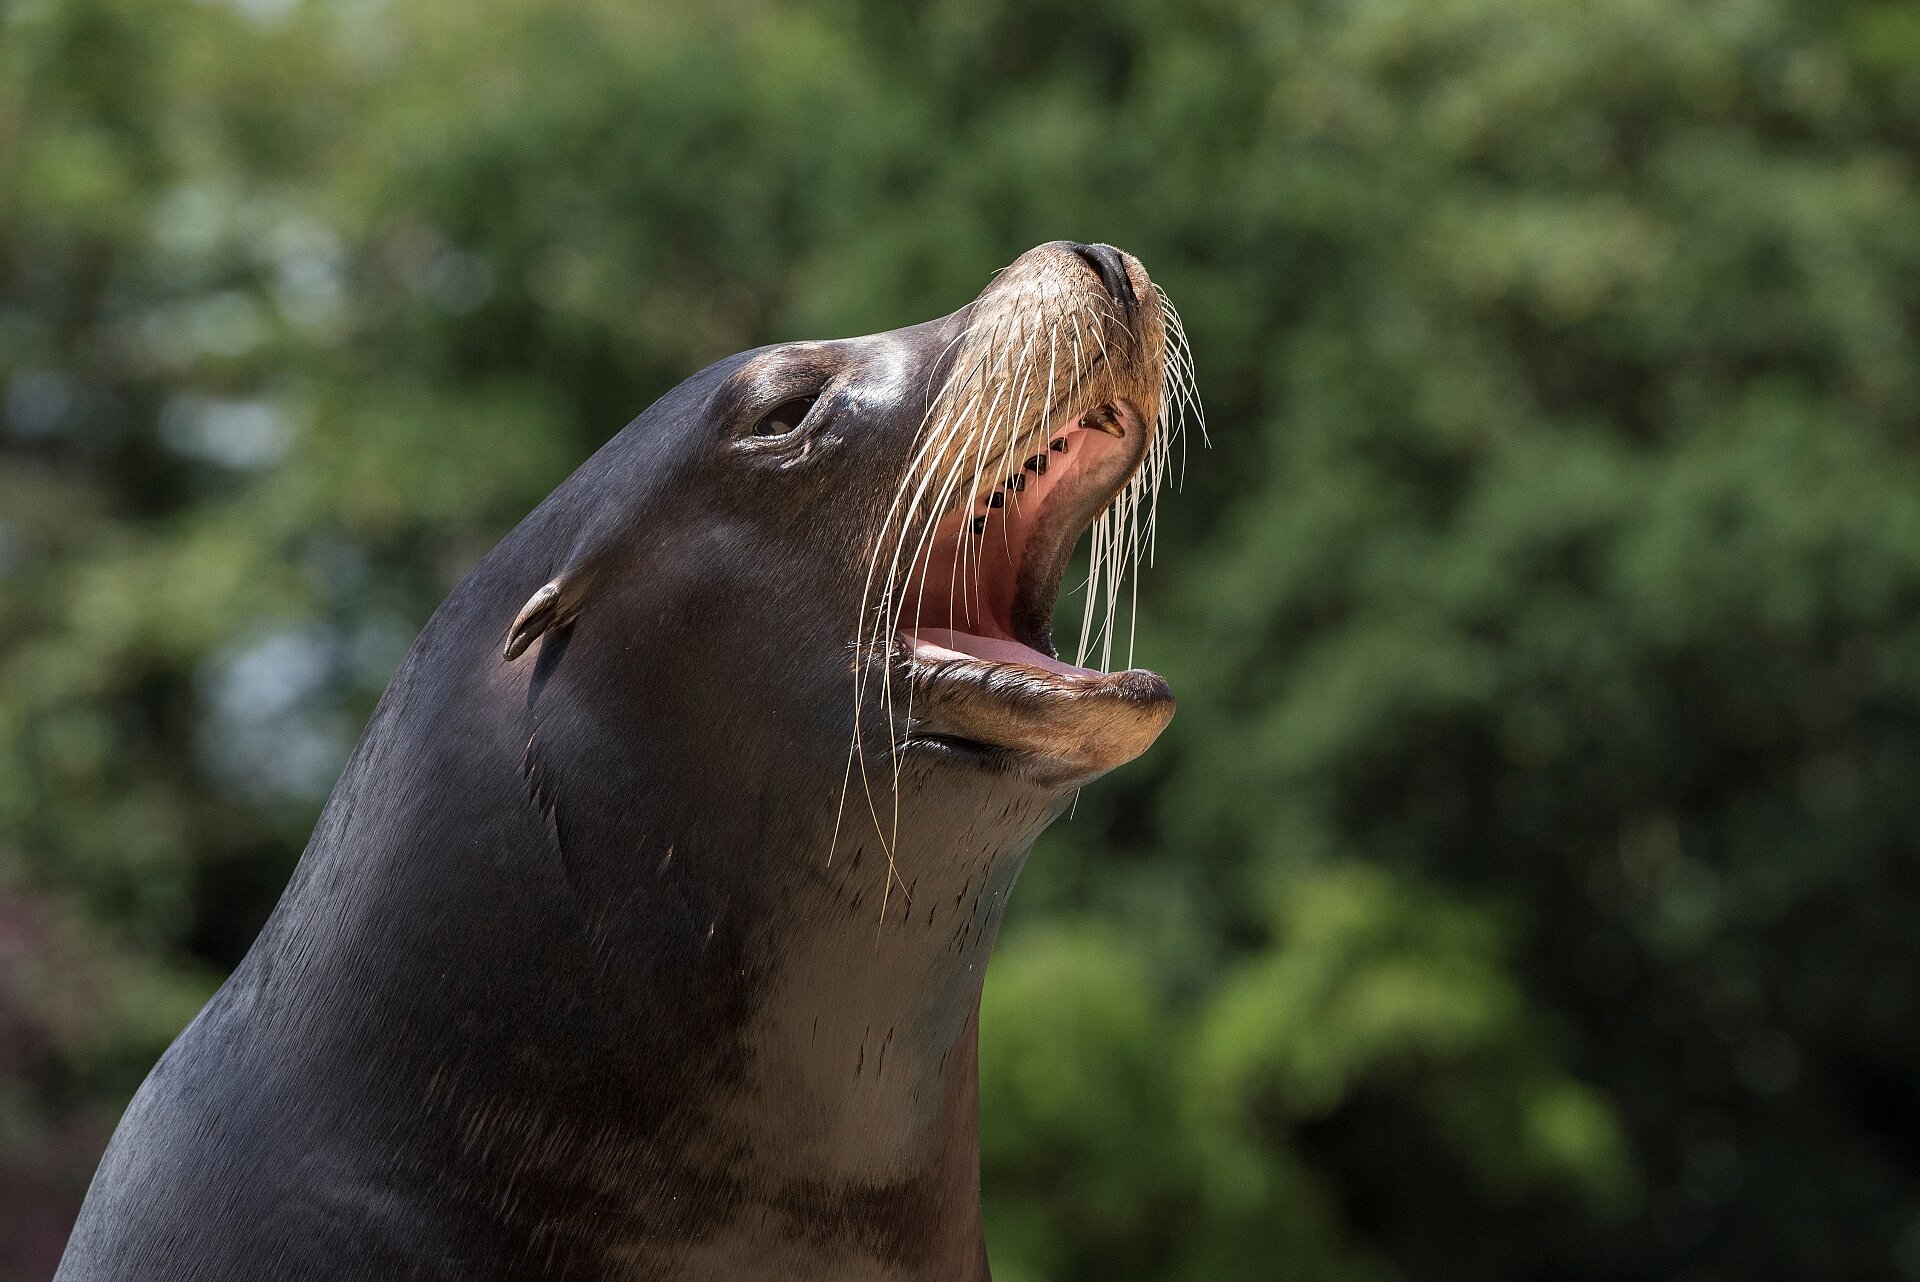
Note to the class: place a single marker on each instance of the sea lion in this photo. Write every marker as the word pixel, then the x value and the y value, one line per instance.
pixel 644 932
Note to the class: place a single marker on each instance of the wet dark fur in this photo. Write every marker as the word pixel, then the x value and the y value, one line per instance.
pixel 566 984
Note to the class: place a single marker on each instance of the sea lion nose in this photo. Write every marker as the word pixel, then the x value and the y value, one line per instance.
pixel 1108 264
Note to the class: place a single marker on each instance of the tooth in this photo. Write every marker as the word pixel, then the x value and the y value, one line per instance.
pixel 1059 446
pixel 1038 463
pixel 996 499
pixel 1017 482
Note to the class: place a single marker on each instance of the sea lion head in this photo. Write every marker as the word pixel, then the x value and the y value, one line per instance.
pixel 861 541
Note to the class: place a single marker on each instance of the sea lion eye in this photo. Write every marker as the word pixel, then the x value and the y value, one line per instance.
pixel 785 416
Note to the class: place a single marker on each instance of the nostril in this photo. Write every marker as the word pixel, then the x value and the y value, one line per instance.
pixel 1111 268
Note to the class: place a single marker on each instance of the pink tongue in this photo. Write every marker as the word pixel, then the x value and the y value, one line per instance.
pixel 939 643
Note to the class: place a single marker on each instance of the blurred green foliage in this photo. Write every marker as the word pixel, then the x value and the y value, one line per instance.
pixel 1525 889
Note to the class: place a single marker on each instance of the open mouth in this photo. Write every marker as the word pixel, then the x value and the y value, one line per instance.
pixel 986 588
pixel 976 630
pixel 1056 404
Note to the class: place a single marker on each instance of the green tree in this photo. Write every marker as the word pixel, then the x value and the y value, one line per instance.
pixel 1522 890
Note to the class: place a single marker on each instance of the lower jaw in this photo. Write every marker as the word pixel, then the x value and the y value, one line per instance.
pixel 1047 720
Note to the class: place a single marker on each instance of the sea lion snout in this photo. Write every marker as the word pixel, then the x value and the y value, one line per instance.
pixel 1060 409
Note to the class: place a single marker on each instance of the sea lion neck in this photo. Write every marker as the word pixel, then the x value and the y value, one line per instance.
pixel 670 1034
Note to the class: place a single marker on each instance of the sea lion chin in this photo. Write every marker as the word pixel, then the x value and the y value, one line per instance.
pixel 643 934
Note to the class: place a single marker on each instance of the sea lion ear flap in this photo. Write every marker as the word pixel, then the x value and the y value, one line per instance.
pixel 545 609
